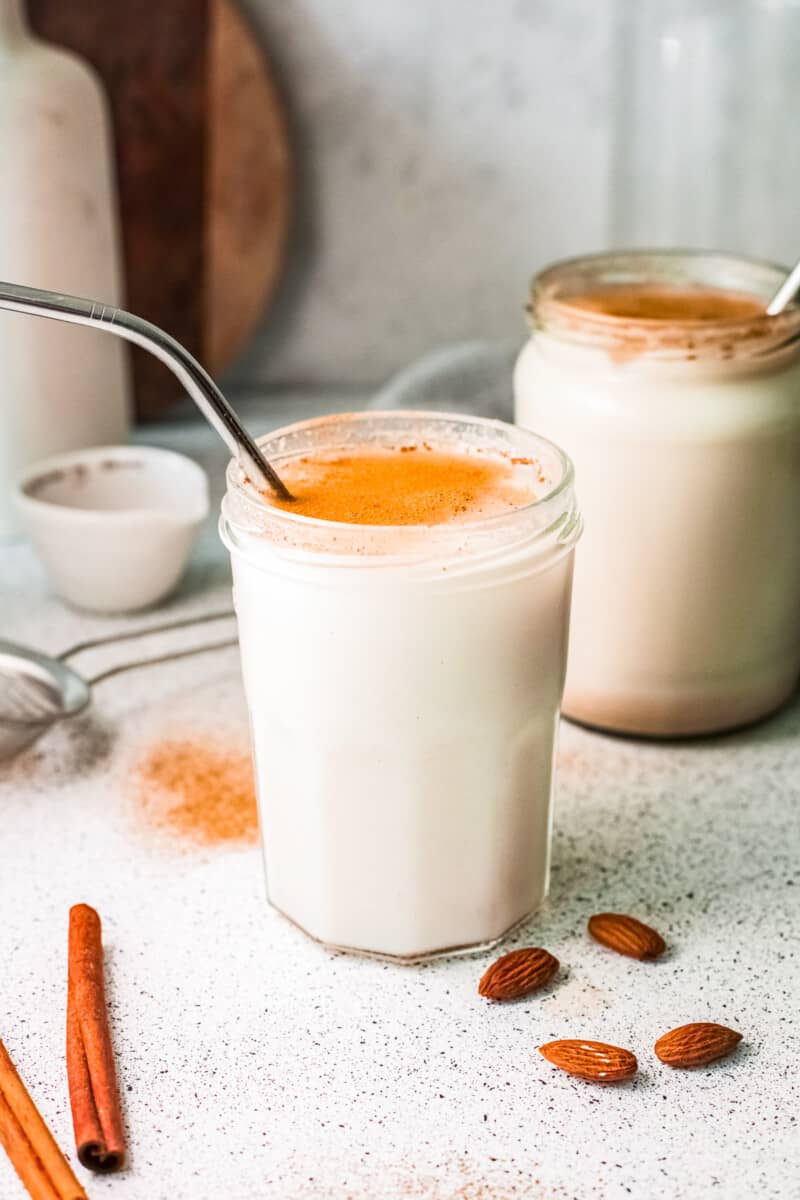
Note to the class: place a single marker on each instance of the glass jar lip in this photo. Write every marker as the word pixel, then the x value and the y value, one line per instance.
pixel 660 266
pixel 742 338
pixel 241 485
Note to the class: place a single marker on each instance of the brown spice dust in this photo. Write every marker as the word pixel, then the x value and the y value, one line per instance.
pixel 201 791
pixel 413 484
pixel 646 302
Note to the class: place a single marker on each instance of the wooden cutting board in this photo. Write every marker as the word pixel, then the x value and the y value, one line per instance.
pixel 204 168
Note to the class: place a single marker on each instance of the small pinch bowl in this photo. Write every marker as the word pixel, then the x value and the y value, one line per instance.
pixel 113 525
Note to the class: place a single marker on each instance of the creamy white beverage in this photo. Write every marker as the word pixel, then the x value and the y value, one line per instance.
pixel 678 400
pixel 403 630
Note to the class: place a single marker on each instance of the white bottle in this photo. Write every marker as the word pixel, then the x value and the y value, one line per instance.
pixel 61 387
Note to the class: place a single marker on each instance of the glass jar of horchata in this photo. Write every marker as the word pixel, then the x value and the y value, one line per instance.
pixel 404 682
pixel 678 400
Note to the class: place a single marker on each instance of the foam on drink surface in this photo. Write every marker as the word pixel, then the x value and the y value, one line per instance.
pixel 413 484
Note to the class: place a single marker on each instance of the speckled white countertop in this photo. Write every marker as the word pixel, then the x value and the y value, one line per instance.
pixel 255 1065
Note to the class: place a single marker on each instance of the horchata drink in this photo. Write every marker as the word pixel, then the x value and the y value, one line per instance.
pixel 403 629
pixel 678 399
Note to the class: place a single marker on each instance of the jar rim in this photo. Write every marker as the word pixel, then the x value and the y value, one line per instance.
pixel 403 415
pixel 552 289
pixel 248 511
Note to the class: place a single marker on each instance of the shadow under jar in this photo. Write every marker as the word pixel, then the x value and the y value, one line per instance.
pixel 678 400
pixel 403 684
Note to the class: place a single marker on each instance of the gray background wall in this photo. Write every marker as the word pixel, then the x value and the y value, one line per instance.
pixel 446 149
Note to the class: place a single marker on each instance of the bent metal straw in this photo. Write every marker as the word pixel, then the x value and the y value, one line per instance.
pixel 58 306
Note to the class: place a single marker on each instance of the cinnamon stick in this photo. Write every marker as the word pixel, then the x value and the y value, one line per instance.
pixel 93 1094
pixel 29 1143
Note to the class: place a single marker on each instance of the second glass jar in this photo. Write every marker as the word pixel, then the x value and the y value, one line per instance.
pixel 686 439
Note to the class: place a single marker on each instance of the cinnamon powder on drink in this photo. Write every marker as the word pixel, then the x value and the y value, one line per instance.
pixel 413 484
pixel 199 790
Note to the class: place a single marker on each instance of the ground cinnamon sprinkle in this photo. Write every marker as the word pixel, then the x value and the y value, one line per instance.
pixel 418 485
pixel 201 791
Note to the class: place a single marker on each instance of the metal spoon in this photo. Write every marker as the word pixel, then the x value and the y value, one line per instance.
pixel 786 293
pixel 36 690
pixel 198 383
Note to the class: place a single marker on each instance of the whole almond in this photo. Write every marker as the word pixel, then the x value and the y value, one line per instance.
pixel 518 974
pixel 595 1061
pixel 626 935
pixel 697 1044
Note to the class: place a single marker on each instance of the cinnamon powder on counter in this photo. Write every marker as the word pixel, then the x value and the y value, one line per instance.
pixel 199 790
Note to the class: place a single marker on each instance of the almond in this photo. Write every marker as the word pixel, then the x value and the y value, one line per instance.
pixel 595 1061
pixel 626 935
pixel 697 1044
pixel 518 974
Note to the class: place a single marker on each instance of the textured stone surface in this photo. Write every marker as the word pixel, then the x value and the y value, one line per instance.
pixel 256 1065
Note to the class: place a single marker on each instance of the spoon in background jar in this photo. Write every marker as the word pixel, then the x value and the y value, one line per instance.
pixel 786 293
pixel 198 383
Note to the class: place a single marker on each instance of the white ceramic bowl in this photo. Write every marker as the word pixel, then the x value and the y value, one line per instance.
pixel 113 525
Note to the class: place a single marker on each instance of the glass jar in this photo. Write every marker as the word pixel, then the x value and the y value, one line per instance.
pixel 404 686
pixel 685 435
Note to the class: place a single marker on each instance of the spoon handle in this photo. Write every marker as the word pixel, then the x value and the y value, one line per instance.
pixel 786 293
pixel 197 382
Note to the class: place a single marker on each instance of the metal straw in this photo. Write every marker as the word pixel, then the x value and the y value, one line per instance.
pixel 198 383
